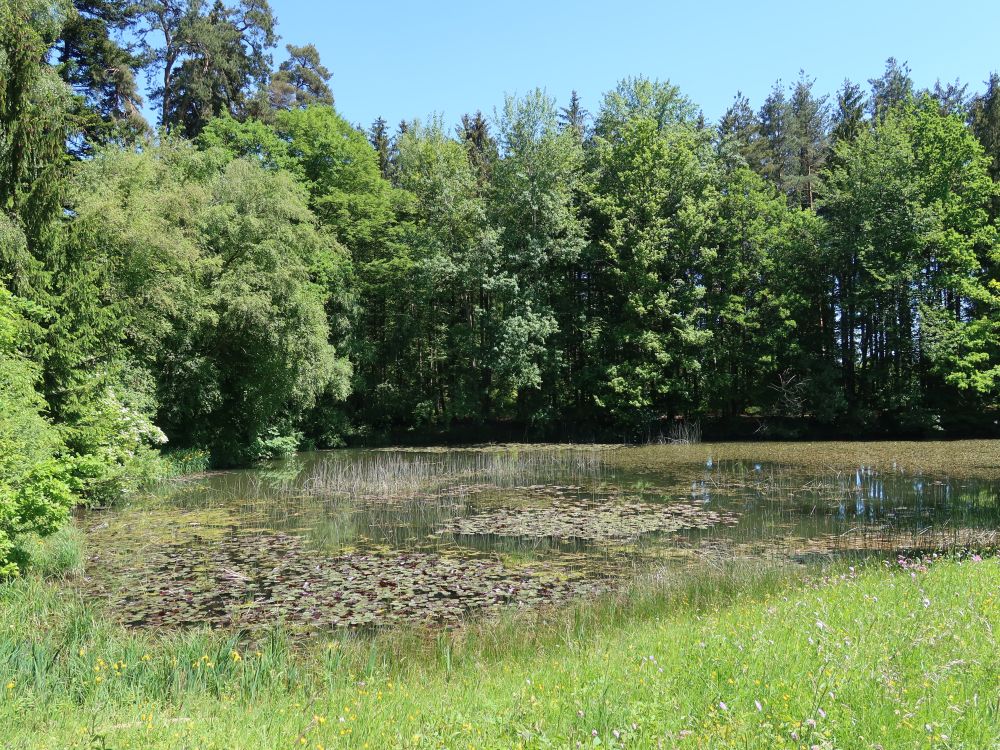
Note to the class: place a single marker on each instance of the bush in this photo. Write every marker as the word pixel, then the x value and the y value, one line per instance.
pixel 113 446
pixel 274 445
pixel 36 483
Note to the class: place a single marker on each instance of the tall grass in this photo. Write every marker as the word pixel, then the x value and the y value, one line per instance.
pixel 393 475
pixel 733 657
pixel 186 461
pixel 58 643
pixel 59 556
pixel 681 433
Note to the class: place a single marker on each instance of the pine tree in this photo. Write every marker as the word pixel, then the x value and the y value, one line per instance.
pixel 212 60
pixel 301 80
pixel 100 66
pixel 952 97
pixel 848 117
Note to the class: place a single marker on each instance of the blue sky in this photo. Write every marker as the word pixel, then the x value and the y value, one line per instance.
pixel 410 59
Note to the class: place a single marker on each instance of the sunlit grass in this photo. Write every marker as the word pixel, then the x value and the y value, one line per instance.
pixel 733 657
pixel 736 649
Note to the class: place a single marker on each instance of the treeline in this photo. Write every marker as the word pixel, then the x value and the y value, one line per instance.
pixel 257 274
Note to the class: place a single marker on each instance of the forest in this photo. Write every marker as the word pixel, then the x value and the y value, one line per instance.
pixel 250 273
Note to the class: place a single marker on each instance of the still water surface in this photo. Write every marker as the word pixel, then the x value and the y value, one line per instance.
pixel 375 537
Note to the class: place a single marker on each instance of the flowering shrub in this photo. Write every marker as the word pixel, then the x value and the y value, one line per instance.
pixel 114 445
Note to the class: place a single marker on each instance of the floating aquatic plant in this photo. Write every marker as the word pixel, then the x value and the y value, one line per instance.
pixel 591 521
pixel 253 581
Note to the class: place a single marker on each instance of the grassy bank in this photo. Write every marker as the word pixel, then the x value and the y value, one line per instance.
pixel 736 657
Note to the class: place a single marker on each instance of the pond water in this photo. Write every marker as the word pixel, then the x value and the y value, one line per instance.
pixel 376 537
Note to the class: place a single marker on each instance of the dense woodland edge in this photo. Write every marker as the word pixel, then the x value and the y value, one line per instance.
pixel 252 274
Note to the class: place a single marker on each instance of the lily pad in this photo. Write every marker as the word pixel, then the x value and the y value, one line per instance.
pixel 255 581
pixel 590 521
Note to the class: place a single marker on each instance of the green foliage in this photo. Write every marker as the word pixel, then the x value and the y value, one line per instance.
pixel 906 205
pixel 748 310
pixel 651 206
pixel 281 281
pixel 34 116
pixel 336 162
pixel 214 58
pixel 183 461
pixel 301 80
pixel 541 236
pixel 236 343
pixel 36 486
pixel 102 68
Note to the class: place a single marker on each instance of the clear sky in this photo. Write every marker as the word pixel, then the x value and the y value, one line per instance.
pixel 406 58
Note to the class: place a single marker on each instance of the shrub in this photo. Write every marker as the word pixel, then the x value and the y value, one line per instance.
pixel 36 484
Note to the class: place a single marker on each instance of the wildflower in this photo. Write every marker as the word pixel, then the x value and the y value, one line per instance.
pixel 235 655
pixel 821 712
pixel 616 733
pixel 927 602
pixel 10 685
pixel 723 706
pixel 757 704
pixel 593 732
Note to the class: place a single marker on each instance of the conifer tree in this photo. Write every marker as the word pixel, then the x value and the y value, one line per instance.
pixel 985 120
pixel 574 117
pixel 480 145
pixel 808 118
pixel 773 118
pixel 95 59
pixel 301 80
pixel 378 136
pixel 740 134
pixel 891 90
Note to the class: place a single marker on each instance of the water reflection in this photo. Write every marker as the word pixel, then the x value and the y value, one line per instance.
pixel 407 500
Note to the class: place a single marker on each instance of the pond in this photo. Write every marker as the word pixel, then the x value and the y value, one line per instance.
pixel 363 538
